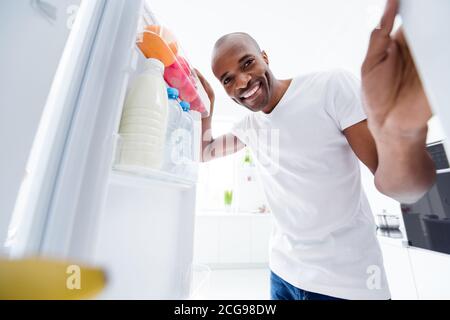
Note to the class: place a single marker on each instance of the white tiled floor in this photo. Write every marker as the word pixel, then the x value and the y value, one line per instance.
pixel 231 284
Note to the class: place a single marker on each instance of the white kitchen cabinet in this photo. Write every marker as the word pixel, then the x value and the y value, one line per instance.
pixel 399 272
pixel 206 243
pixel 261 228
pixel 234 240
pixel 431 273
pixel 415 273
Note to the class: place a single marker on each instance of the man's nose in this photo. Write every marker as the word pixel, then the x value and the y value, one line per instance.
pixel 242 81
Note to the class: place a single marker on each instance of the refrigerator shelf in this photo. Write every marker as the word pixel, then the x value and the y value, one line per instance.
pixel 140 177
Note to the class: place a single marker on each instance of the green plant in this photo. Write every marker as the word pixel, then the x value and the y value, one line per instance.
pixel 228 197
pixel 247 157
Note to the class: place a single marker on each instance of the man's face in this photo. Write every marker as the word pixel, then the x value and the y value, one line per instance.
pixel 244 73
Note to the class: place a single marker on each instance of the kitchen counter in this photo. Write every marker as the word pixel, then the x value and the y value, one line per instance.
pixel 231 214
pixel 402 242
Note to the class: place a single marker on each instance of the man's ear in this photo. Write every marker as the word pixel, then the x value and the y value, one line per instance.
pixel 265 57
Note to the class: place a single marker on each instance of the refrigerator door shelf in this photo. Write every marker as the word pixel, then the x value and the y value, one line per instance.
pixel 182 175
pixel 137 176
pixel 145 240
pixel 201 103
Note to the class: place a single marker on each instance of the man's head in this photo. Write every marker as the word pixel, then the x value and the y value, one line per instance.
pixel 243 70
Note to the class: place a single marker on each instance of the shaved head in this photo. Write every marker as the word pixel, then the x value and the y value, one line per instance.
pixel 237 37
pixel 237 40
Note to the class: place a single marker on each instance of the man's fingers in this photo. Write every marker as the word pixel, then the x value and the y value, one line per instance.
pixel 205 85
pixel 199 75
pixel 399 36
pixel 380 39
pixel 377 52
pixel 201 78
pixel 387 21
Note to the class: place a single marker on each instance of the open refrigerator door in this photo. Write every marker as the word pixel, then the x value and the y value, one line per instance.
pixel 146 236
pixel 431 57
pixel 122 191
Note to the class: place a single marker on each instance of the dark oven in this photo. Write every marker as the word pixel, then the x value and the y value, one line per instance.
pixel 427 222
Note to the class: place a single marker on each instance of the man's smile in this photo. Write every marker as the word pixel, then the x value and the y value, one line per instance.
pixel 252 93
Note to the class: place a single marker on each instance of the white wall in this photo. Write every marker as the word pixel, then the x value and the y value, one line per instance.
pixel 232 240
pixel 31 47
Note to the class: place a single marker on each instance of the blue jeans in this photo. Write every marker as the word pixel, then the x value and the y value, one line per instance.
pixel 282 290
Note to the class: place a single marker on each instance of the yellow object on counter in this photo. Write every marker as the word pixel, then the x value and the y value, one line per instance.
pixel 40 279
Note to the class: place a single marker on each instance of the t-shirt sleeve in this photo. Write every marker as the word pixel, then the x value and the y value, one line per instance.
pixel 240 130
pixel 346 104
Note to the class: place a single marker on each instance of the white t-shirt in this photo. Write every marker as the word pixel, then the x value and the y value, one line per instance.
pixel 324 238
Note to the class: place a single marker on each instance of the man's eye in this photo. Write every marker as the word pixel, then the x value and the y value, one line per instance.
pixel 248 63
pixel 226 81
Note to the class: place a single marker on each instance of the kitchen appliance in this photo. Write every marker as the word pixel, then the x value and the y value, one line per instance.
pixel 427 222
pixel 439 156
pixel 388 222
pixel 390 233
pixel 388 225
pixel 136 224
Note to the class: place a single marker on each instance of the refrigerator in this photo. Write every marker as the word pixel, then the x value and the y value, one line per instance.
pixel 75 204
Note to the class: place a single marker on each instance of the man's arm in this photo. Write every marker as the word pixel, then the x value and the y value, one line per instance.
pixel 398 112
pixel 398 167
pixel 363 145
pixel 405 170
pixel 219 147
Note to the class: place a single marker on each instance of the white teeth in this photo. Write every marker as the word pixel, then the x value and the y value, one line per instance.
pixel 251 92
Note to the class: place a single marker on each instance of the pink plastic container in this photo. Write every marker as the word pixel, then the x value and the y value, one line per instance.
pixel 177 75
pixel 197 105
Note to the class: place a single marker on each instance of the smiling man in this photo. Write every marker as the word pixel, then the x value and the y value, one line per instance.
pixel 324 243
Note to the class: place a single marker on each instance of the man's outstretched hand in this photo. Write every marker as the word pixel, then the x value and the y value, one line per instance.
pixel 398 112
pixel 395 100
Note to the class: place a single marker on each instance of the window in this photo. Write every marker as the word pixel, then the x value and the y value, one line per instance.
pixel 230 183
